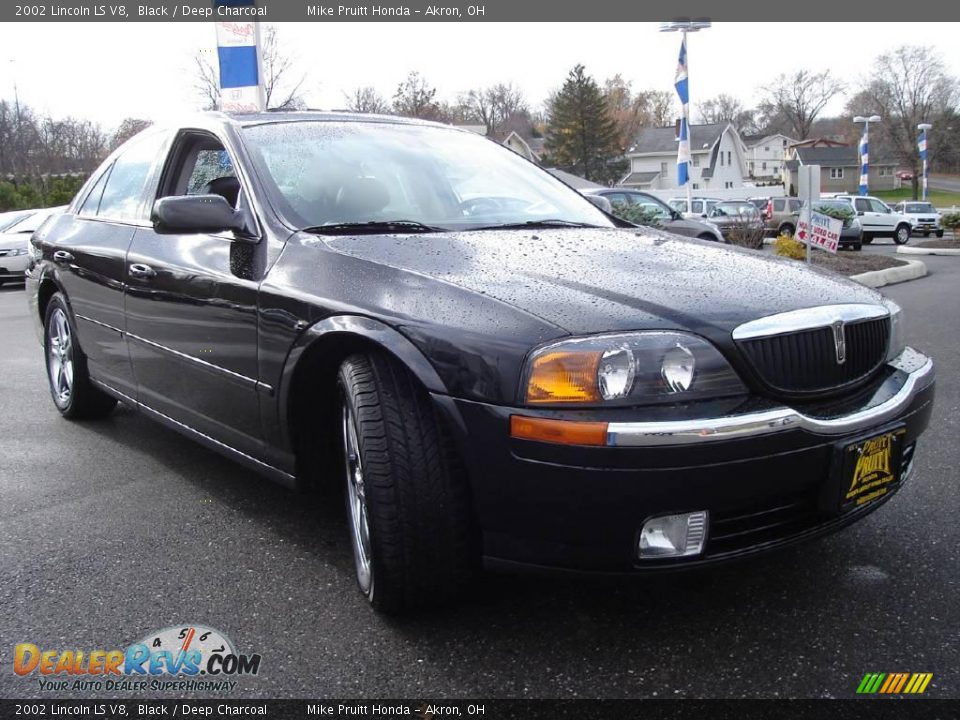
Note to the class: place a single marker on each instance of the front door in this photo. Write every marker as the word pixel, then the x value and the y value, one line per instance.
pixel 192 308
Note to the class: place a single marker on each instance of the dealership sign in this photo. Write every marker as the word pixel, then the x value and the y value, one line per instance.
pixel 820 231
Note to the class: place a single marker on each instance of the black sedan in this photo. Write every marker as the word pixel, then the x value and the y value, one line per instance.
pixel 490 367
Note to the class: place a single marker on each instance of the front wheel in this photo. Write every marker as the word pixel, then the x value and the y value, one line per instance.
pixel 73 393
pixel 902 235
pixel 867 239
pixel 406 494
pixel 939 233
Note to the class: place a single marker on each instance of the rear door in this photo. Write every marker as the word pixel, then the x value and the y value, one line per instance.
pixel 192 307
pixel 89 251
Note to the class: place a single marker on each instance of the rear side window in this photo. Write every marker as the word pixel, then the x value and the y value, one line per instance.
pixel 794 205
pixel 697 206
pixel 778 205
pixel 92 204
pixel 123 195
pixel 617 198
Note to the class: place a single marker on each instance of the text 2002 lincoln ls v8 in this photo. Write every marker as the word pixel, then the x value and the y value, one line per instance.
pixel 495 369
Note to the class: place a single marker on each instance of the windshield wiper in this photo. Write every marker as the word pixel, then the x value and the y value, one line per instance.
pixel 373 227
pixel 535 224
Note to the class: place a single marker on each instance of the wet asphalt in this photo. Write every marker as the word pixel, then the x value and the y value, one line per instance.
pixel 112 529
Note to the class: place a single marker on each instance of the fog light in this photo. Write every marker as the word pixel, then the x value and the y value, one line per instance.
pixel 674 535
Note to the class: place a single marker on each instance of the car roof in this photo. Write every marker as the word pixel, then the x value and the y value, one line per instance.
pixel 276 117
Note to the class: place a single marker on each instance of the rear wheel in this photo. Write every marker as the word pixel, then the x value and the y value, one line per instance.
pixel 706 236
pixel 73 393
pixel 867 239
pixel 902 234
pixel 786 229
pixel 939 233
pixel 407 496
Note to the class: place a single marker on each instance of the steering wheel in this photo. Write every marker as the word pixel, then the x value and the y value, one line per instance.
pixel 479 206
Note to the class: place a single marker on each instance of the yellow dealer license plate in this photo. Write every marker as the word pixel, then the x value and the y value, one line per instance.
pixel 871 469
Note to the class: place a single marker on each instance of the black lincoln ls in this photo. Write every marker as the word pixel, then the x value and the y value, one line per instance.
pixel 495 370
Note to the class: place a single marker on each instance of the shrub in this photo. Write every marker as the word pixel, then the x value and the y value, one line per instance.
pixel 951 221
pixel 786 246
pixel 637 214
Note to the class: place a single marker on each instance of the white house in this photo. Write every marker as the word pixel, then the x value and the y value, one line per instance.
pixel 717 158
pixel 766 155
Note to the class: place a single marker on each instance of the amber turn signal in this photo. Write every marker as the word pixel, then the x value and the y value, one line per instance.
pixel 564 376
pixel 564 432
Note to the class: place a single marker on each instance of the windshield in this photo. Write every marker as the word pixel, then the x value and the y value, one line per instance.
pixel 334 173
pixel 919 208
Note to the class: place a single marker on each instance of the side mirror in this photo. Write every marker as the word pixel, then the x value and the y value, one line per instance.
pixel 195 214
pixel 601 202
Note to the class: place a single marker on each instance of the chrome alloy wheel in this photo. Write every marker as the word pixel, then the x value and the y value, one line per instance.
pixel 357 502
pixel 60 357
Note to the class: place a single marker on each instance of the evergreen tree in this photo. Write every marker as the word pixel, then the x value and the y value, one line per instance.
pixel 582 136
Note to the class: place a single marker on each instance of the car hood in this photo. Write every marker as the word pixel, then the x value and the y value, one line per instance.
pixel 588 281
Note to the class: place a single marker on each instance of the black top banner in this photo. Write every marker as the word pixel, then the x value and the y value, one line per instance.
pixel 477 11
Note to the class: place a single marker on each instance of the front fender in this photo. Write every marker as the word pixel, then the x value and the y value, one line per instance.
pixel 357 327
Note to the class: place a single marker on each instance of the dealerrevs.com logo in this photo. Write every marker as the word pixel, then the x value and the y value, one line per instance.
pixel 182 659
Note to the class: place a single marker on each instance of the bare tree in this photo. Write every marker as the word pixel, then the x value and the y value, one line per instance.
pixel 282 81
pixel 724 109
pixel 128 128
pixel 494 106
pixel 800 97
pixel 659 107
pixel 416 98
pixel 366 100
pixel 910 85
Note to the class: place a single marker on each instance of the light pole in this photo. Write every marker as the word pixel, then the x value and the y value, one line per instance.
pixel 682 84
pixel 865 150
pixel 922 143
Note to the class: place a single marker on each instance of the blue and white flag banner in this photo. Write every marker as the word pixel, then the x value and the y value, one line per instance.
pixel 683 91
pixel 922 147
pixel 864 162
pixel 238 50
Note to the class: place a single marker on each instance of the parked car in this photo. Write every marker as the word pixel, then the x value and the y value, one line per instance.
pixel 762 204
pixel 12 216
pixel 328 298
pixel 905 175
pixel 697 208
pixel 879 220
pixel 851 235
pixel 14 243
pixel 780 216
pixel 739 221
pixel 923 216
pixel 666 217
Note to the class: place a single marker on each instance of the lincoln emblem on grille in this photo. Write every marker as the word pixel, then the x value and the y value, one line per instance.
pixel 839 342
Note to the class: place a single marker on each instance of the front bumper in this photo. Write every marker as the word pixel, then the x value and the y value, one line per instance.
pixel 759 471
pixel 13 267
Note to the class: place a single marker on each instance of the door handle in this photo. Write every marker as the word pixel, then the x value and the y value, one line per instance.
pixel 139 270
pixel 62 256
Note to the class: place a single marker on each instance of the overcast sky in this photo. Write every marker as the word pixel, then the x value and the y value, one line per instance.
pixel 108 71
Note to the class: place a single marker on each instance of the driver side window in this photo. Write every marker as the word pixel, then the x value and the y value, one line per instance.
pixel 202 166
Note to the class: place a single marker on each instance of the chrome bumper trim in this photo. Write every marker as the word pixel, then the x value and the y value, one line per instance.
pixel 687 432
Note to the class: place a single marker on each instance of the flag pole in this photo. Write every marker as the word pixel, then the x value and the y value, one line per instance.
pixel 686 115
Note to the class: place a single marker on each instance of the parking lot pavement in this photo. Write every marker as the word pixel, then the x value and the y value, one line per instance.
pixel 110 530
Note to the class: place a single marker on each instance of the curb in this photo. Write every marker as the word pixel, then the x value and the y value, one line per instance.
pixel 905 250
pixel 878 278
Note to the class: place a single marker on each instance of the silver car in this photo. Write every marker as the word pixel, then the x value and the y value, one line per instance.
pixel 15 240
pixel 664 215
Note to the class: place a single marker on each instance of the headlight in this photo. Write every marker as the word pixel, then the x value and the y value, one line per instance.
pixel 17 251
pixel 897 343
pixel 639 368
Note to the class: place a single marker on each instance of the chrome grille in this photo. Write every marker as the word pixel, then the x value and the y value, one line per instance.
pixel 806 362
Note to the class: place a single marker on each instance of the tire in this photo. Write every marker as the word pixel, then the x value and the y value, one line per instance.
pixel 786 229
pixel 706 236
pixel 858 246
pixel 407 496
pixel 867 239
pixel 74 395
pixel 901 235
pixel 939 233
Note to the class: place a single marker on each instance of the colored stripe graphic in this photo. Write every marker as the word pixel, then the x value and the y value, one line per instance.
pixel 894 683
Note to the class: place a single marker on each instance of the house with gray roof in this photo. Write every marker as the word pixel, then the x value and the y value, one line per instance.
pixel 718 158
pixel 840 169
